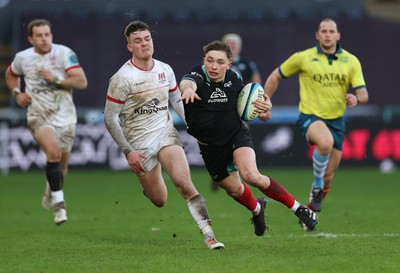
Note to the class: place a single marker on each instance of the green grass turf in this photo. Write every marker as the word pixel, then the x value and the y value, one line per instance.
pixel 112 227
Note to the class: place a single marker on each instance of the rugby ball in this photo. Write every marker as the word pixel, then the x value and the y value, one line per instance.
pixel 245 102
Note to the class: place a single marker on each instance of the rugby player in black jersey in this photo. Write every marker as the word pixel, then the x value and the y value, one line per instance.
pixel 209 93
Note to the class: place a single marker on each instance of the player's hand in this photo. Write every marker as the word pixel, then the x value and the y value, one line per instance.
pixel 265 116
pixel 263 106
pixel 135 162
pixel 189 96
pixel 351 100
pixel 47 75
pixel 23 99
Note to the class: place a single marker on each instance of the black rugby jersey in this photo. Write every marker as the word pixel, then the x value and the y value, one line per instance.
pixel 246 68
pixel 214 119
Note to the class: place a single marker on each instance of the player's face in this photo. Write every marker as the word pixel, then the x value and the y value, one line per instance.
pixel 328 36
pixel 140 44
pixel 41 39
pixel 216 64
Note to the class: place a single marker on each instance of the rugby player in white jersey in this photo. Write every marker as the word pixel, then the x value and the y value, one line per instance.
pixel 51 71
pixel 137 117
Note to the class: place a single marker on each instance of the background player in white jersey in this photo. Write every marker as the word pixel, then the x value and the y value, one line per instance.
pixel 137 117
pixel 51 71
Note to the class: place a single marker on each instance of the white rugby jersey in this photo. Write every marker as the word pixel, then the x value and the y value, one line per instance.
pixel 144 94
pixel 48 101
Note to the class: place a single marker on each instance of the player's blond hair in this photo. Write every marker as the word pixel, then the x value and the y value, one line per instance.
pixel 232 37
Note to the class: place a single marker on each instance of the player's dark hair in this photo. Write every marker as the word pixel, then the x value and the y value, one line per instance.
pixel 136 26
pixel 218 46
pixel 36 23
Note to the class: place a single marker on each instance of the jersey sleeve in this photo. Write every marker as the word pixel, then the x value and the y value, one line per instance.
pixel 173 86
pixel 236 79
pixel 16 65
pixel 356 76
pixel 175 94
pixel 196 74
pixel 291 66
pixel 71 59
pixel 117 89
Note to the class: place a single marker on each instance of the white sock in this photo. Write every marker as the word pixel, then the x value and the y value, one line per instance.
pixel 296 205
pixel 198 209
pixel 256 211
pixel 58 196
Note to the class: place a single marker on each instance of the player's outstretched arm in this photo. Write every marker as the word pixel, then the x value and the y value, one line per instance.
pixel 272 83
pixel 188 89
pixel 176 103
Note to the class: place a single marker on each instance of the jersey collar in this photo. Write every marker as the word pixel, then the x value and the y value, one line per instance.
pixel 331 57
pixel 338 49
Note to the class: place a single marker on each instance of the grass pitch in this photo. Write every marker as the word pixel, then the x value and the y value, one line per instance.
pixel 112 227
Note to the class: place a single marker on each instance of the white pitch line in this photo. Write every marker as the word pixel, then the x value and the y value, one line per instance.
pixel 335 235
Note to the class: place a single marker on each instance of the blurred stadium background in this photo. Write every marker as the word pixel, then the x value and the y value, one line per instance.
pixel 271 31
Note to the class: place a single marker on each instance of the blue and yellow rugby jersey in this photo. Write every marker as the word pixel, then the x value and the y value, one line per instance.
pixel 324 79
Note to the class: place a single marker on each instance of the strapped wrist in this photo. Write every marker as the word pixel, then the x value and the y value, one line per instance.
pixel 59 82
pixel 16 91
pixel 127 150
pixel 358 101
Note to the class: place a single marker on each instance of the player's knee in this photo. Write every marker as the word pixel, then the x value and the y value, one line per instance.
pixel 233 193
pixel 186 189
pixel 325 147
pixel 159 203
pixel 234 190
pixel 253 178
pixel 54 155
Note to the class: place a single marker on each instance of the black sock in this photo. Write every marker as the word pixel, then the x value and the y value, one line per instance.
pixel 54 176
